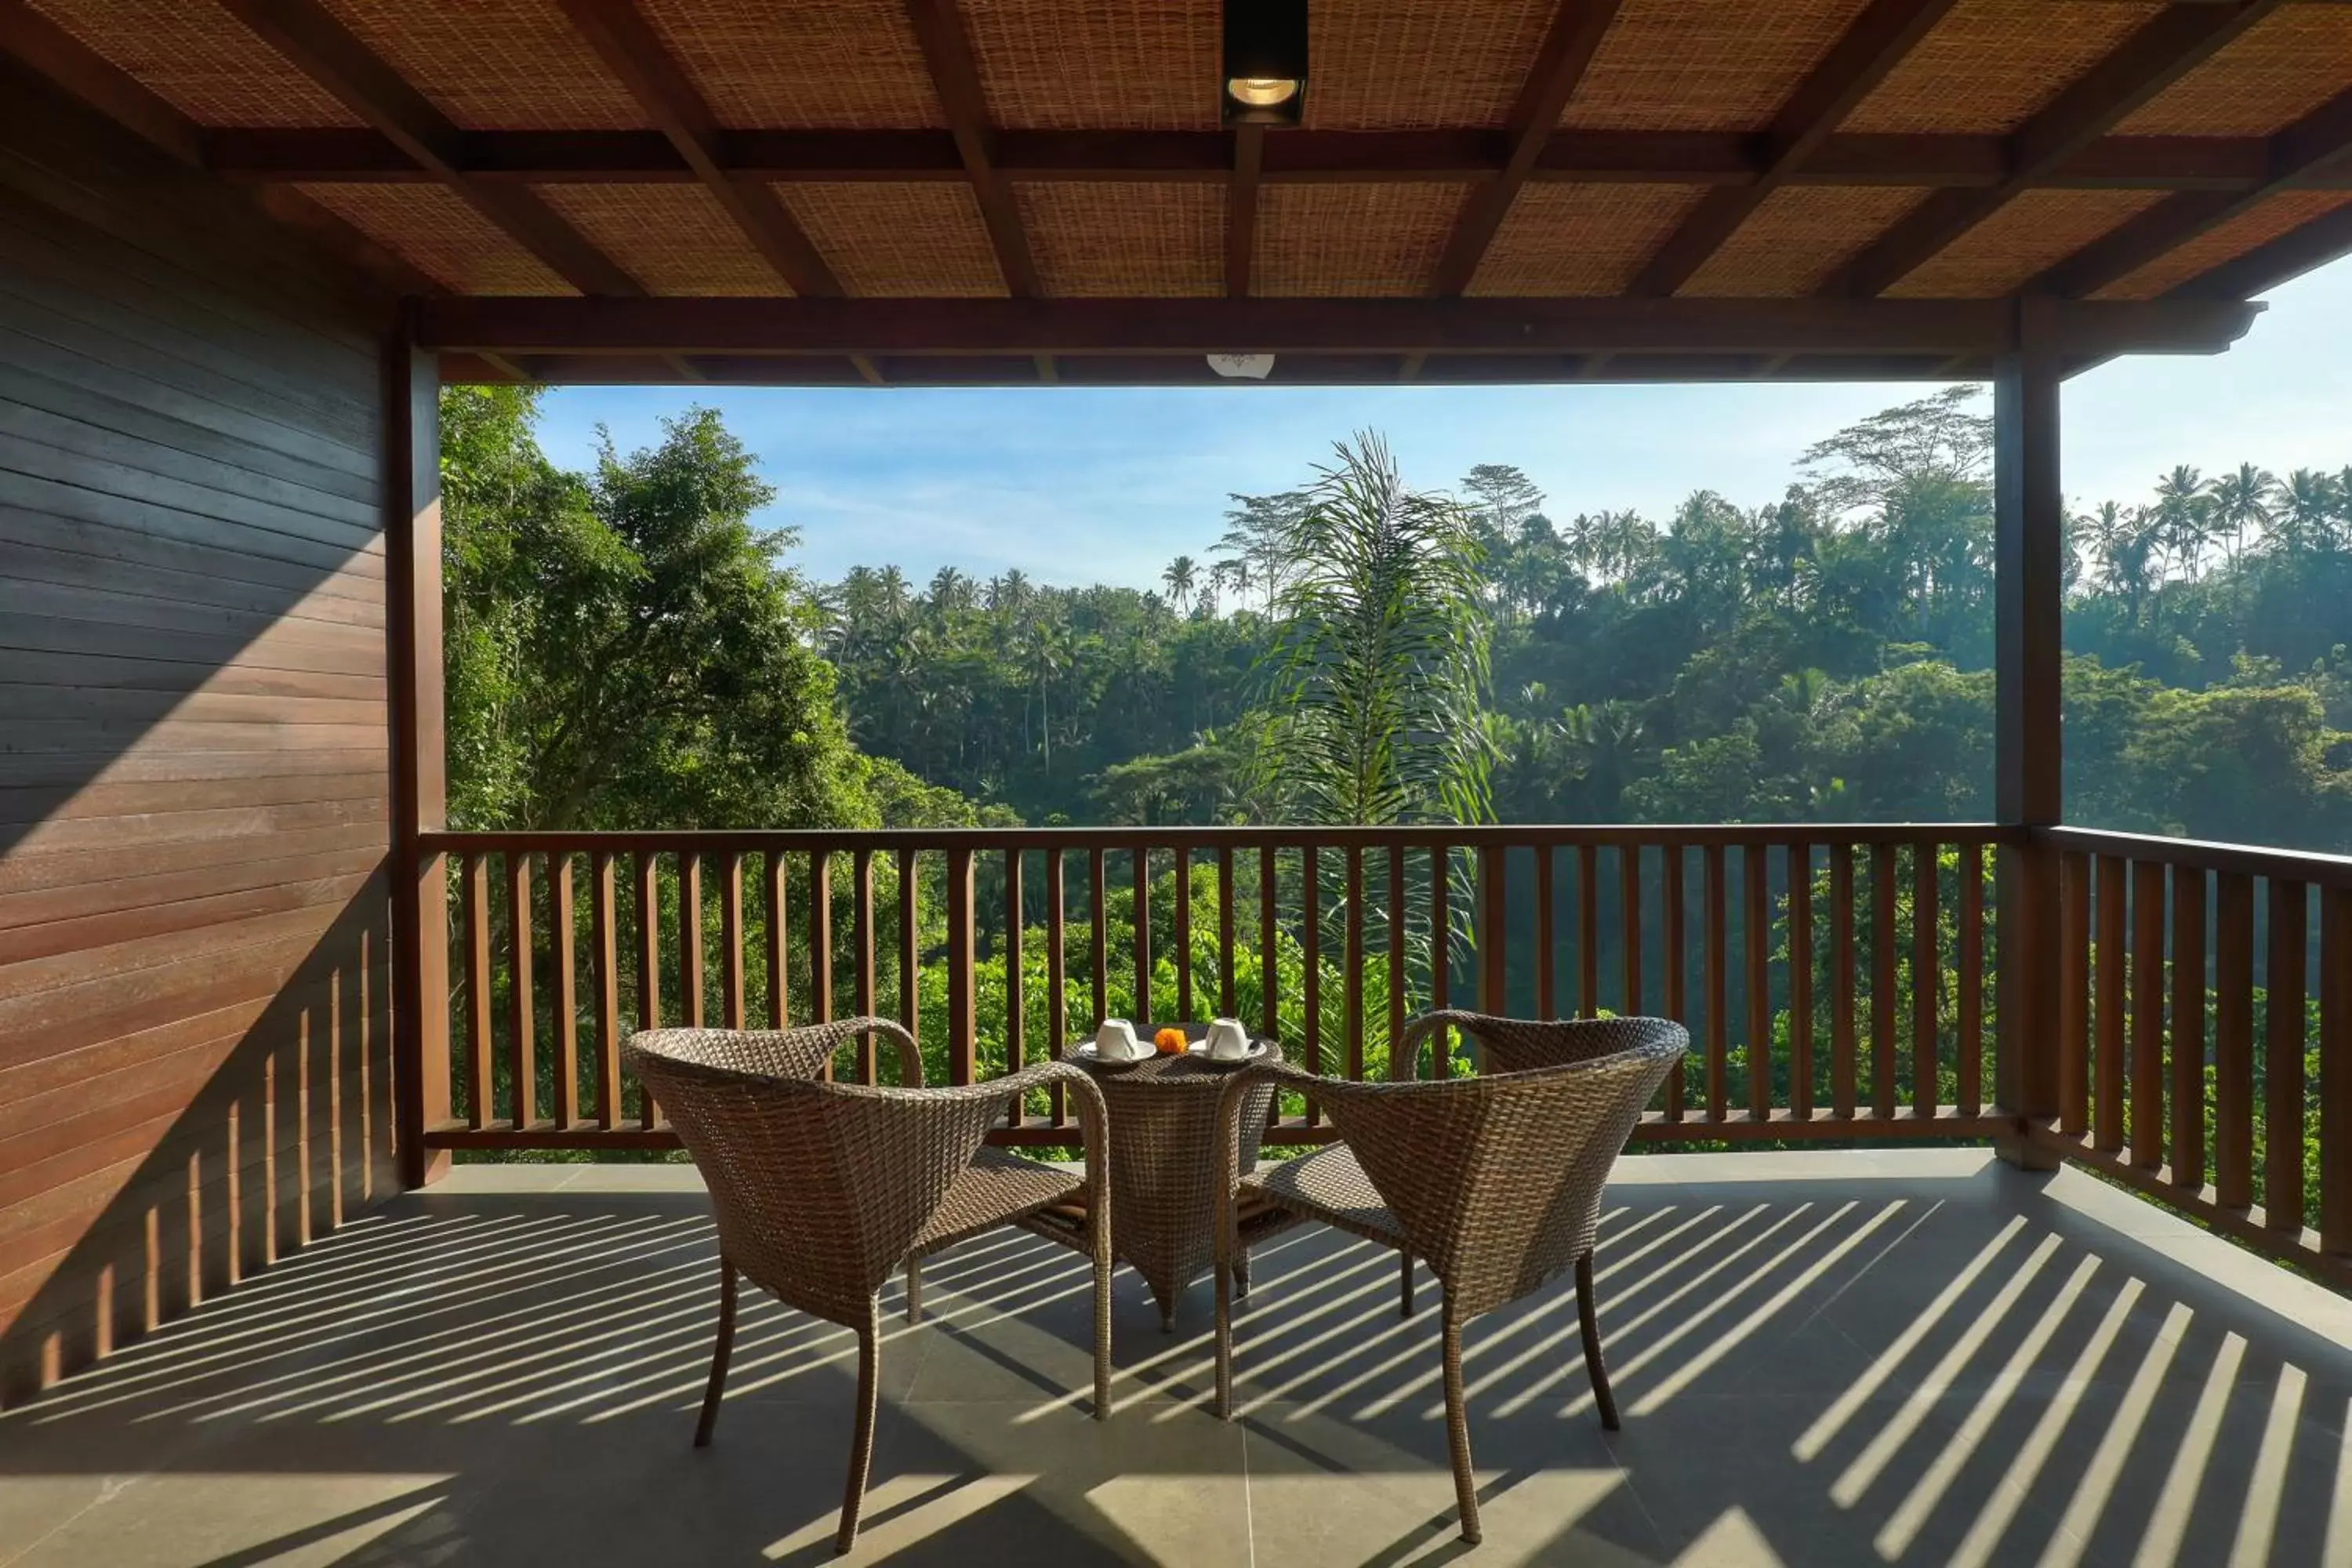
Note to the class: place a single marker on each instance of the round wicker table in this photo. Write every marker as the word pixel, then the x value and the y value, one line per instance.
pixel 1163 1164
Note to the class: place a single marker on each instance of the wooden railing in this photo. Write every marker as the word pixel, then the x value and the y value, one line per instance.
pixel 1835 978
pixel 2204 1034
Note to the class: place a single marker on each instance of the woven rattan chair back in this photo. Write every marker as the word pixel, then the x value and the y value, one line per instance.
pixel 1497 1180
pixel 819 1189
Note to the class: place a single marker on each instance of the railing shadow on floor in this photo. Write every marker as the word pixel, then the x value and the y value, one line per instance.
pixel 1965 1369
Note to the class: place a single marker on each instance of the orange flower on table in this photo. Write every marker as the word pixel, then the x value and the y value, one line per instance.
pixel 1170 1041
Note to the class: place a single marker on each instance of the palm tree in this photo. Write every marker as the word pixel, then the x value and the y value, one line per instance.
pixel 1379 670
pixel 2307 509
pixel 951 589
pixel 1180 576
pixel 2184 516
pixel 2241 499
pixel 891 584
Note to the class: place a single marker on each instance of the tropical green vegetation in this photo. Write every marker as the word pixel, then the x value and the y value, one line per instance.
pixel 627 649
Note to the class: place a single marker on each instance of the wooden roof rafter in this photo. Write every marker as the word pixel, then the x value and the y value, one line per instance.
pixel 955 79
pixel 2163 49
pixel 1873 44
pixel 633 52
pixel 2315 146
pixel 73 66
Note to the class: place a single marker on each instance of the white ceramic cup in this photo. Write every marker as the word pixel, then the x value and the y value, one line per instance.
pixel 1228 1041
pixel 1116 1041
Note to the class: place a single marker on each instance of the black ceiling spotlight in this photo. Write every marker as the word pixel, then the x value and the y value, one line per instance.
pixel 1265 62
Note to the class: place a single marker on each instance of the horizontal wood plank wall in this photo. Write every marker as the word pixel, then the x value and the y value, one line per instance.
pixel 195 984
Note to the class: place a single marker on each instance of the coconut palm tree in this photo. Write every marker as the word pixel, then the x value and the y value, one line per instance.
pixel 2240 501
pixel 1181 576
pixel 2184 517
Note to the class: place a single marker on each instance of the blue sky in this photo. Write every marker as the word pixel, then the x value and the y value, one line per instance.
pixel 1086 485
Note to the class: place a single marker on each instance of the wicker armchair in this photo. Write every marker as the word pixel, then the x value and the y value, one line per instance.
pixel 1495 1181
pixel 820 1189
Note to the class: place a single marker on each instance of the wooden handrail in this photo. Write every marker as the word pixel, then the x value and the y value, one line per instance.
pixel 798 840
pixel 2204 855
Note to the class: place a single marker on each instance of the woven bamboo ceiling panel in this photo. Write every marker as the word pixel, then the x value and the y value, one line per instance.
pixel 1991 63
pixel 1667 65
pixel 2037 229
pixel 1764 149
pixel 2269 220
pixel 2257 86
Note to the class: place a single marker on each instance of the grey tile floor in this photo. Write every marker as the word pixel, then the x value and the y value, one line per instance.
pixel 1915 1357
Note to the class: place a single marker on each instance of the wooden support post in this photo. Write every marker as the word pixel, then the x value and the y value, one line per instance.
pixel 2027 583
pixel 420 888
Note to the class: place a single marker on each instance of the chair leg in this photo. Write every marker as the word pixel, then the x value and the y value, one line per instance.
pixel 725 1347
pixel 1458 1429
pixel 861 1449
pixel 1241 1277
pixel 1404 1284
pixel 1103 1262
pixel 1589 1321
pixel 913 1289
pixel 1229 1270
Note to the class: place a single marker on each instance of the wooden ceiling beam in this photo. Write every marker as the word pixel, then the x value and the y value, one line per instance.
pixel 641 62
pixel 1573 38
pixel 722 327
pixel 88 76
pixel 2162 50
pixel 955 79
pixel 1240 208
pixel 2316 243
pixel 2317 145
pixel 341 156
pixel 325 51
pixel 1874 45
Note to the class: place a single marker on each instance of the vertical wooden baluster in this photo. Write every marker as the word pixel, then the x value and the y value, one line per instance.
pixel 1969 1002
pixel 2336 1070
pixel 603 933
pixel 731 938
pixel 563 936
pixel 2148 1014
pixel 1352 965
pixel 1629 917
pixel 1547 953
pixel 1756 891
pixel 963 1013
pixel 478 991
pixel 690 975
pixel 1057 967
pixel 1801 982
pixel 649 1013
pixel 1843 1074
pixel 1673 866
pixel 1016 1044
pixel 1141 866
pixel 1310 993
pixel 1883 1085
pixel 2187 1153
pixel 2074 960
pixel 1225 930
pixel 522 1035
pixel 1399 1064
pixel 1588 931
pixel 862 946
pixel 1491 930
pixel 1718 1030
pixel 2107 1093
pixel 2283 1063
pixel 910 945
pixel 1098 911
pixel 2233 1040
pixel 1441 959
pixel 1269 936
pixel 777 907
pixel 1926 978
pixel 1182 935
pixel 819 944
